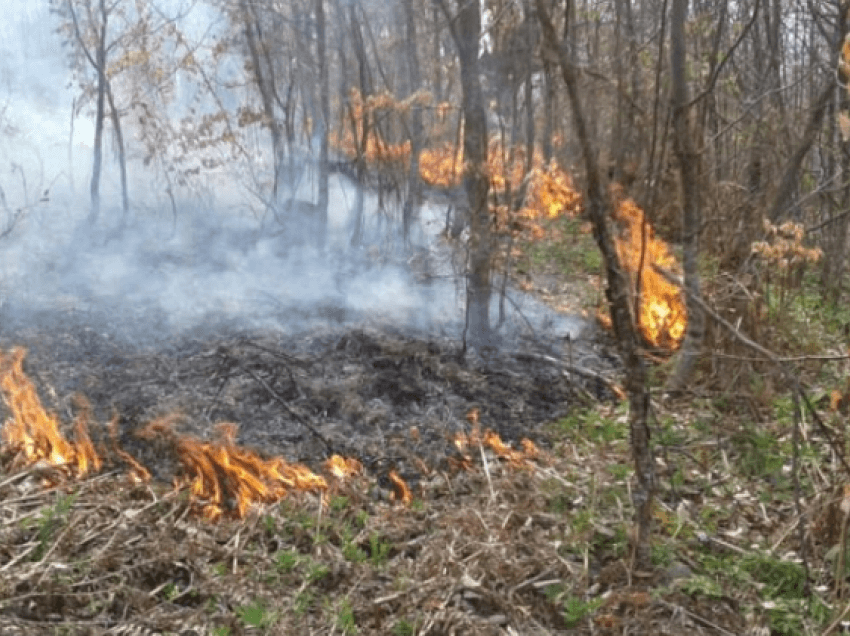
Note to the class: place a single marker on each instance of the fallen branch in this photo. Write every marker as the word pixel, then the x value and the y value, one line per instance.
pixel 571 368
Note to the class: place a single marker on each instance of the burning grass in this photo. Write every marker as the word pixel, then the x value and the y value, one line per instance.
pixel 488 550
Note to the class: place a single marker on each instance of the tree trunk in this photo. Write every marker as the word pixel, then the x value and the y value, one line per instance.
pixel 325 107
pixel 617 293
pixel 413 181
pixel 97 161
pixel 263 76
pixel 122 155
pixel 688 160
pixel 361 141
pixel 466 31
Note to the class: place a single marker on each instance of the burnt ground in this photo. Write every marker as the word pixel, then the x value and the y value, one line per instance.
pixel 354 390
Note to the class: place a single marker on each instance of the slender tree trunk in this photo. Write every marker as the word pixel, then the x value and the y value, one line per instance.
pixel 361 141
pixel 688 160
pixel 466 32
pixel 122 155
pixel 325 107
pixel 413 181
pixel 617 293
pixel 263 76
pixel 97 161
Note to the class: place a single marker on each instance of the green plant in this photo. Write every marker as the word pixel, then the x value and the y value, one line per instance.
pixel 701 586
pixel 338 503
pixel 304 601
pixel 662 554
pixel 781 579
pixel 345 618
pixel 760 453
pixel 256 615
pixel 317 572
pixel 51 519
pixel 361 518
pixel 170 592
pixel 286 560
pixel 379 550
pixel 221 631
pixel 405 628
pixel 620 472
pixel 576 609
pixel 351 551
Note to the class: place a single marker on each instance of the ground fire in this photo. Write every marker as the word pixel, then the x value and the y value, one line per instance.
pixel 33 433
pixel 224 480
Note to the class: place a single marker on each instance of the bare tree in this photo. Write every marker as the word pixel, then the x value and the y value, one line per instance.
pixel 416 129
pixel 325 112
pixel 689 164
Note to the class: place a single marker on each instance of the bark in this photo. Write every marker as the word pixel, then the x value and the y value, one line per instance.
pixel 365 83
pixel 122 155
pixel 688 160
pixel 97 161
pixel 789 180
pixel 98 62
pixel 617 293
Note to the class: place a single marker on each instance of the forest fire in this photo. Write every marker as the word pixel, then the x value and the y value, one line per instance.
pixel 226 479
pixel 550 193
pixel 492 440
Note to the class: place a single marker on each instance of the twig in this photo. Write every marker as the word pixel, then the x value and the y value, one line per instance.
pixel 772 357
pixel 837 621
pixel 289 410
pixel 695 617
pixel 571 368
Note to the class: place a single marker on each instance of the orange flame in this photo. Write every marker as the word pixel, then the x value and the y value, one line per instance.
pixel 401 491
pixel 138 474
pixel 491 439
pixel 662 317
pixel 226 479
pixel 34 432
pixel 342 467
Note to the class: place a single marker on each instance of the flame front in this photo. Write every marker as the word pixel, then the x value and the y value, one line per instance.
pixel 226 479
pixel 33 431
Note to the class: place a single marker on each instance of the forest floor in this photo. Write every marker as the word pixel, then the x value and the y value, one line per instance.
pixel 750 519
